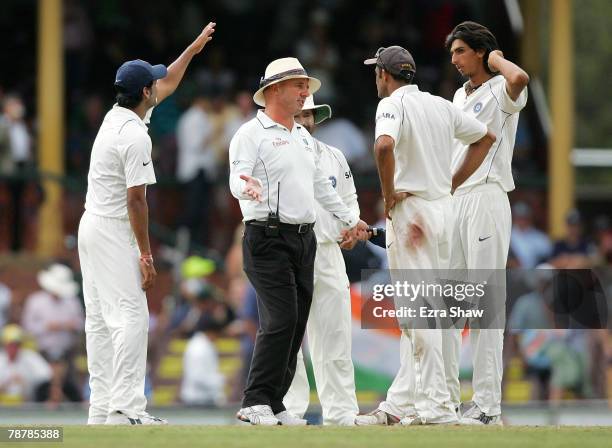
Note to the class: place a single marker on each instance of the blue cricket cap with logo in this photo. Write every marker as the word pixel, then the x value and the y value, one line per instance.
pixel 132 76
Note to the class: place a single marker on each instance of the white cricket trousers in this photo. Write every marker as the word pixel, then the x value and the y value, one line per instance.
pixel 329 340
pixel 116 317
pixel 419 237
pixel 481 242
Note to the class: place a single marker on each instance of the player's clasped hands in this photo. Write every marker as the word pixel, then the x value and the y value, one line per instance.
pixel 350 237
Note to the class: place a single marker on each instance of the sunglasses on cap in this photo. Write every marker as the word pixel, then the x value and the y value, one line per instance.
pixel 378 61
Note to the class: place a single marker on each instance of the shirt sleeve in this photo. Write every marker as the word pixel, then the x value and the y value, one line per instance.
pixel 388 119
pixel 467 128
pixel 348 193
pixel 138 165
pixel 329 199
pixel 242 159
pixel 506 103
pixel 147 118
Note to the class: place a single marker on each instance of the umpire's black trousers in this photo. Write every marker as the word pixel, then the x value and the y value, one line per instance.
pixel 281 269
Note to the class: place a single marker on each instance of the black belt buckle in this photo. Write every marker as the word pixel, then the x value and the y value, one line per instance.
pixel 303 228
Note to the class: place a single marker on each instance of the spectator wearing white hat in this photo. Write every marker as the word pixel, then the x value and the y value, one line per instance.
pixel 55 317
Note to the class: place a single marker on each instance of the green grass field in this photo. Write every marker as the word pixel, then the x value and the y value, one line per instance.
pixel 326 437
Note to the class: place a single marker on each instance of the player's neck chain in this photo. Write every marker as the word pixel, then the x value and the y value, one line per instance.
pixel 469 88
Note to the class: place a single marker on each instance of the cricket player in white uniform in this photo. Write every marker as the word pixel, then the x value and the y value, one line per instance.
pixel 413 150
pixel 114 250
pixel 495 93
pixel 329 323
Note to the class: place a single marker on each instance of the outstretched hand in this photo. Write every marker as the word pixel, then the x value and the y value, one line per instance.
pixel 204 37
pixel 252 188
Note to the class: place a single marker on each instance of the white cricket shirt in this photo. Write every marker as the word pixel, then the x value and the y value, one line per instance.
pixel 491 105
pixel 424 127
pixel 270 152
pixel 334 166
pixel 120 159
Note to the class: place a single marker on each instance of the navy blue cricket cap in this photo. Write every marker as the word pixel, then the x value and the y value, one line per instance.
pixel 132 76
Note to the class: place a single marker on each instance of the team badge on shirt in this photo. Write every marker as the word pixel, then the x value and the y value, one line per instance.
pixel 477 107
pixel 333 180
pixel 279 142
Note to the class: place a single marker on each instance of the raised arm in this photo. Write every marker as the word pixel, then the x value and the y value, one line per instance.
pixel 516 78
pixel 176 70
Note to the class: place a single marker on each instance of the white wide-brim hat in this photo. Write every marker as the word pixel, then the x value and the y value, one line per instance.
pixel 321 112
pixel 281 70
pixel 58 280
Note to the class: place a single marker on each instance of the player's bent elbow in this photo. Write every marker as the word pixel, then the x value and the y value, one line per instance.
pixel 520 79
pixel 491 137
pixel 384 145
pixel 486 141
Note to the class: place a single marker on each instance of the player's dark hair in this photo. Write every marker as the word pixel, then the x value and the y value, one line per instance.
pixel 129 100
pixel 404 79
pixel 477 36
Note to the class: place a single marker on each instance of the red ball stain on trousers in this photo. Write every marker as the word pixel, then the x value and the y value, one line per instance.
pixel 415 235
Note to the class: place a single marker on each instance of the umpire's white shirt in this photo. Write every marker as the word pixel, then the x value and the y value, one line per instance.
pixel 424 127
pixel 491 105
pixel 334 166
pixel 270 152
pixel 120 159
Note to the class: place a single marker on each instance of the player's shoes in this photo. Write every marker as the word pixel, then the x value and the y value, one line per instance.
pixel 148 419
pixel 119 418
pixel 260 414
pixel 349 420
pixel 376 417
pixel 288 419
pixel 416 419
pixel 474 416
pixel 97 420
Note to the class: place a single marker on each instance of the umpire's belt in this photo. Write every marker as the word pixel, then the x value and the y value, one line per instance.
pixel 297 228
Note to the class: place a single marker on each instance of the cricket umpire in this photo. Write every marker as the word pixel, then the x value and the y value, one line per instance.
pixel 275 174
pixel 114 250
